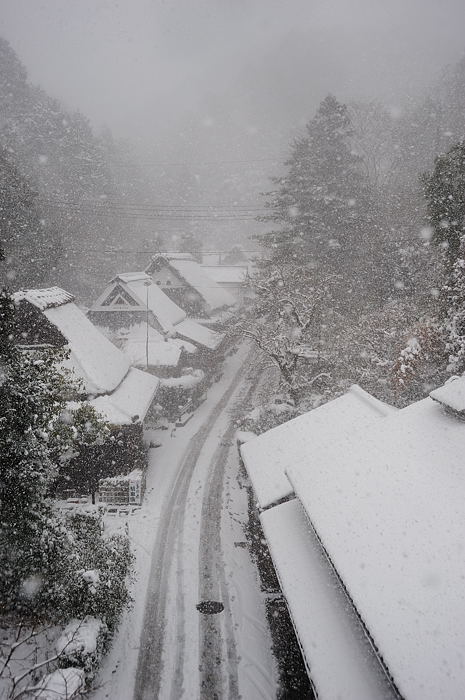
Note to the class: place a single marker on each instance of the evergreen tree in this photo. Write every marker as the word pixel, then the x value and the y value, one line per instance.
pixel 445 193
pixel 24 238
pixel 43 557
pixel 324 207
pixel 454 325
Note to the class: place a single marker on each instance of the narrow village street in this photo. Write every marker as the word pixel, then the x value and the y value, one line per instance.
pixel 194 515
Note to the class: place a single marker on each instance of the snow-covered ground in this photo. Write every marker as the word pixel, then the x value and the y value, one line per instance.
pixel 183 480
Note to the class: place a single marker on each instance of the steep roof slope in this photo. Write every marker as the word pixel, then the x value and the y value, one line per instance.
pixel 386 501
pixel 341 660
pixel 93 357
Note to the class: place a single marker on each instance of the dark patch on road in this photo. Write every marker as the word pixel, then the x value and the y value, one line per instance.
pixel 210 607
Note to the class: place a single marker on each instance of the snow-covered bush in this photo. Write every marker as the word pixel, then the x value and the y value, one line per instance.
pixel 82 644
pixel 97 584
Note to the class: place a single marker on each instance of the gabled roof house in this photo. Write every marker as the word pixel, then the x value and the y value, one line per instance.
pixel 50 318
pixel 368 544
pixel 185 281
pixel 232 278
pixel 134 298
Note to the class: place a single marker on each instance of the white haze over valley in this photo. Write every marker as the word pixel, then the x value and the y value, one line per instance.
pixel 197 82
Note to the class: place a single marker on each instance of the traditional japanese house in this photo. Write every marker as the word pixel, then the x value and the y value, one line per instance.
pixel 133 300
pixel 185 281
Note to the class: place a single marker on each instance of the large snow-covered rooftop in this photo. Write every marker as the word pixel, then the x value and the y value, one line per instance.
pixel 387 501
pixel 93 358
pixel 267 457
pixel 341 661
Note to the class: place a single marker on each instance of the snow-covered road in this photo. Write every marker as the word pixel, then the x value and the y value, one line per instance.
pixel 193 519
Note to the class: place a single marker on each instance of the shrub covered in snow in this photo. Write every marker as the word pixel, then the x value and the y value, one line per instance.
pixel 96 586
pixel 82 643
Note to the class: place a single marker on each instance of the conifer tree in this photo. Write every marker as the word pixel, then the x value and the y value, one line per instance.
pixel 445 193
pixel 323 207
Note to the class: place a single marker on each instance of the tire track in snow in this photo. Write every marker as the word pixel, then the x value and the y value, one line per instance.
pixel 218 655
pixel 150 662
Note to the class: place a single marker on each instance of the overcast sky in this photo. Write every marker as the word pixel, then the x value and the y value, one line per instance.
pixel 203 81
pixel 142 66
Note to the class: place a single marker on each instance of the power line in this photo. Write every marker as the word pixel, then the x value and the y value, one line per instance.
pixel 136 206
pixel 153 213
pixel 170 252
pixel 193 164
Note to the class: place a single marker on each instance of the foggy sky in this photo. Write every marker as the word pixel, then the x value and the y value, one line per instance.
pixel 145 66
pixel 196 82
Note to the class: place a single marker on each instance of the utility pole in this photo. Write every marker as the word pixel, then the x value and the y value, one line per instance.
pixel 147 285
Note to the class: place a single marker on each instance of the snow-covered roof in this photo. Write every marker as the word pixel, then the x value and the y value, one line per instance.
pixel 452 395
pixel 192 272
pixel 163 308
pixel 132 276
pixel 227 274
pixel 184 345
pixel 386 501
pixel 44 298
pixel 201 335
pixel 214 295
pixel 161 352
pixel 341 661
pixel 267 457
pixel 185 381
pixel 131 399
pixel 93 358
